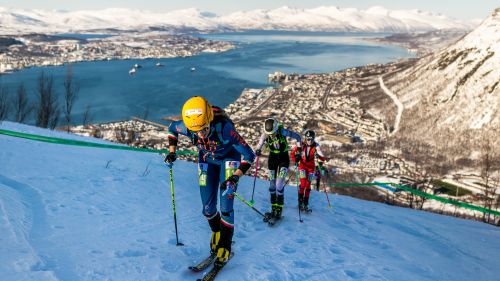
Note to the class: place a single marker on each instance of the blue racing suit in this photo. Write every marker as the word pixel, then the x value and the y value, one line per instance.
pixel 220 154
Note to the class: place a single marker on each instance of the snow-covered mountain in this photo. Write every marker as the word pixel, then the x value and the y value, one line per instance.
pixel 80 213
pixel 375 19
pixel 455 92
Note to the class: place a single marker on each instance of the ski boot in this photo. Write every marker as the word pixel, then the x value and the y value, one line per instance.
pixel 224 246
pixel 306 205
pixel 222 257
pixel 280 199
pixel 214 240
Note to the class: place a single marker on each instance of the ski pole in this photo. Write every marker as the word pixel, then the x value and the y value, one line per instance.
pixel 248 204
pixel 297 182
pixel 254 179
pixel 173 205
pixel 326 193
pixel 289 177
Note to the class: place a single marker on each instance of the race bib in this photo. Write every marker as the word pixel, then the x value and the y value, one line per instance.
pixel 202 173
pixel 230 168
pixel 302 174
pixel 271 175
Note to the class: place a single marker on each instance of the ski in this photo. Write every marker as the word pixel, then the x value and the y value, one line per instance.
pixel 203 264
pixel 267 216
pixel 306 210
pixel 272 221
pixel 214 271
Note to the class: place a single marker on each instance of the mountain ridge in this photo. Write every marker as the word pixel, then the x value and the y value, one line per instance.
pixel 454 93
pixel 323 18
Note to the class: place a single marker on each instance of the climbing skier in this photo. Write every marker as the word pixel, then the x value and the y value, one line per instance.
pixel 306 159
pixel 220 165
pixel 274 136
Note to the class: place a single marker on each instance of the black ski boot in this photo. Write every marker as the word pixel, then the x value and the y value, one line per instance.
pixel 215 225
pixel 280 199
pixel 301 201
pixel 269 215
pixel 224 246
pixel 306 205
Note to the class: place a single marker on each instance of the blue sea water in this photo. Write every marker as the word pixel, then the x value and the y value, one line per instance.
pixel 113 94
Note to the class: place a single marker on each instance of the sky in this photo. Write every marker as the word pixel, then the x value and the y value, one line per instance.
pixel 460 9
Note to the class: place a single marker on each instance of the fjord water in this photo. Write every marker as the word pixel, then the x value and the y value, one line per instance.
pixel 113 94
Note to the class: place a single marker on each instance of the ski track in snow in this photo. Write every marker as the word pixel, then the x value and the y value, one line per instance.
pixel 51 258
pixel 396 101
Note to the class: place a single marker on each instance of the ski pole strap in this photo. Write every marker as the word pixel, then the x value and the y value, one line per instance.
pixel 88 144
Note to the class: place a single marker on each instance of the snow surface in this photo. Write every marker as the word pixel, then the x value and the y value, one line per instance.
pixel 65 216
pixel 375 19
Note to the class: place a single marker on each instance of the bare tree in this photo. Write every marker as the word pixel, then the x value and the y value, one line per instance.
pixel 22 107
pixel 71 90
pixel 48 108
pixel 87 116
pixel 4 103
pixel 486 171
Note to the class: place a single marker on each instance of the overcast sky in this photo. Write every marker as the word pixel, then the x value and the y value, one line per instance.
pixel 461 9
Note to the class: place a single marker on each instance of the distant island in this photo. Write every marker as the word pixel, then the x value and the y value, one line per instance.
pixel 22 51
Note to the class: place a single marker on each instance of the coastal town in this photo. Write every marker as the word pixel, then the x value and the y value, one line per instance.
pixel 22 51
pixel 350 132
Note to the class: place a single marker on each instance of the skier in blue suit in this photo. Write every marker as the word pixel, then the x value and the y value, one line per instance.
pixel 220 164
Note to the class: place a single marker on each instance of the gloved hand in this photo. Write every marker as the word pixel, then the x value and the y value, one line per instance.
pixel 170 158
pixel 232 180
pixel 258 152
pixel 297 155
pixel 323 170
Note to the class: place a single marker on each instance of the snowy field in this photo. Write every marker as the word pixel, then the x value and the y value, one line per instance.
pixel 74 213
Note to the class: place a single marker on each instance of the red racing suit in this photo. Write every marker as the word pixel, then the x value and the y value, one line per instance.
pixel 306 169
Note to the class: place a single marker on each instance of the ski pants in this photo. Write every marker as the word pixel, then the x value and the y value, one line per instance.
pixel 306 176
pixel 211 175
pixel 278 170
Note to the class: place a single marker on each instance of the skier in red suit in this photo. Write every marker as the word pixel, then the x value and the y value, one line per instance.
pixel 305 156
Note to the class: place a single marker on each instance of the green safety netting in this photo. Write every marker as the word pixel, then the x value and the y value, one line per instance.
pixel 423 194
pixel 88 144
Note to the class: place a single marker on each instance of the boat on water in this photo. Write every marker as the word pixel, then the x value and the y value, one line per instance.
pixel 137 65
pixel 132 71
pixel 193 68
pixel 159 64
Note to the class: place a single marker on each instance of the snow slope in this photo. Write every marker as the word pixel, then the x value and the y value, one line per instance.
pixel 375 19
pixel 64 215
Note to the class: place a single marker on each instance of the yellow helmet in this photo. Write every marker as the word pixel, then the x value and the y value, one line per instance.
pixel 197 113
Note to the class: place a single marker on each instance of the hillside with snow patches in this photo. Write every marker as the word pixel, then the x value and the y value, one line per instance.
pixel 375 19
pixel 455 93
pixel 77 213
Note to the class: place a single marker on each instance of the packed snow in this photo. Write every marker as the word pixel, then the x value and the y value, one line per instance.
pixel 375 19
pixel 77 213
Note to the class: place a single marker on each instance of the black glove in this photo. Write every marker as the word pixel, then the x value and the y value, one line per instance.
pixel 258 152
pixel 232 180
pixel 170 158
pixel 297 156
